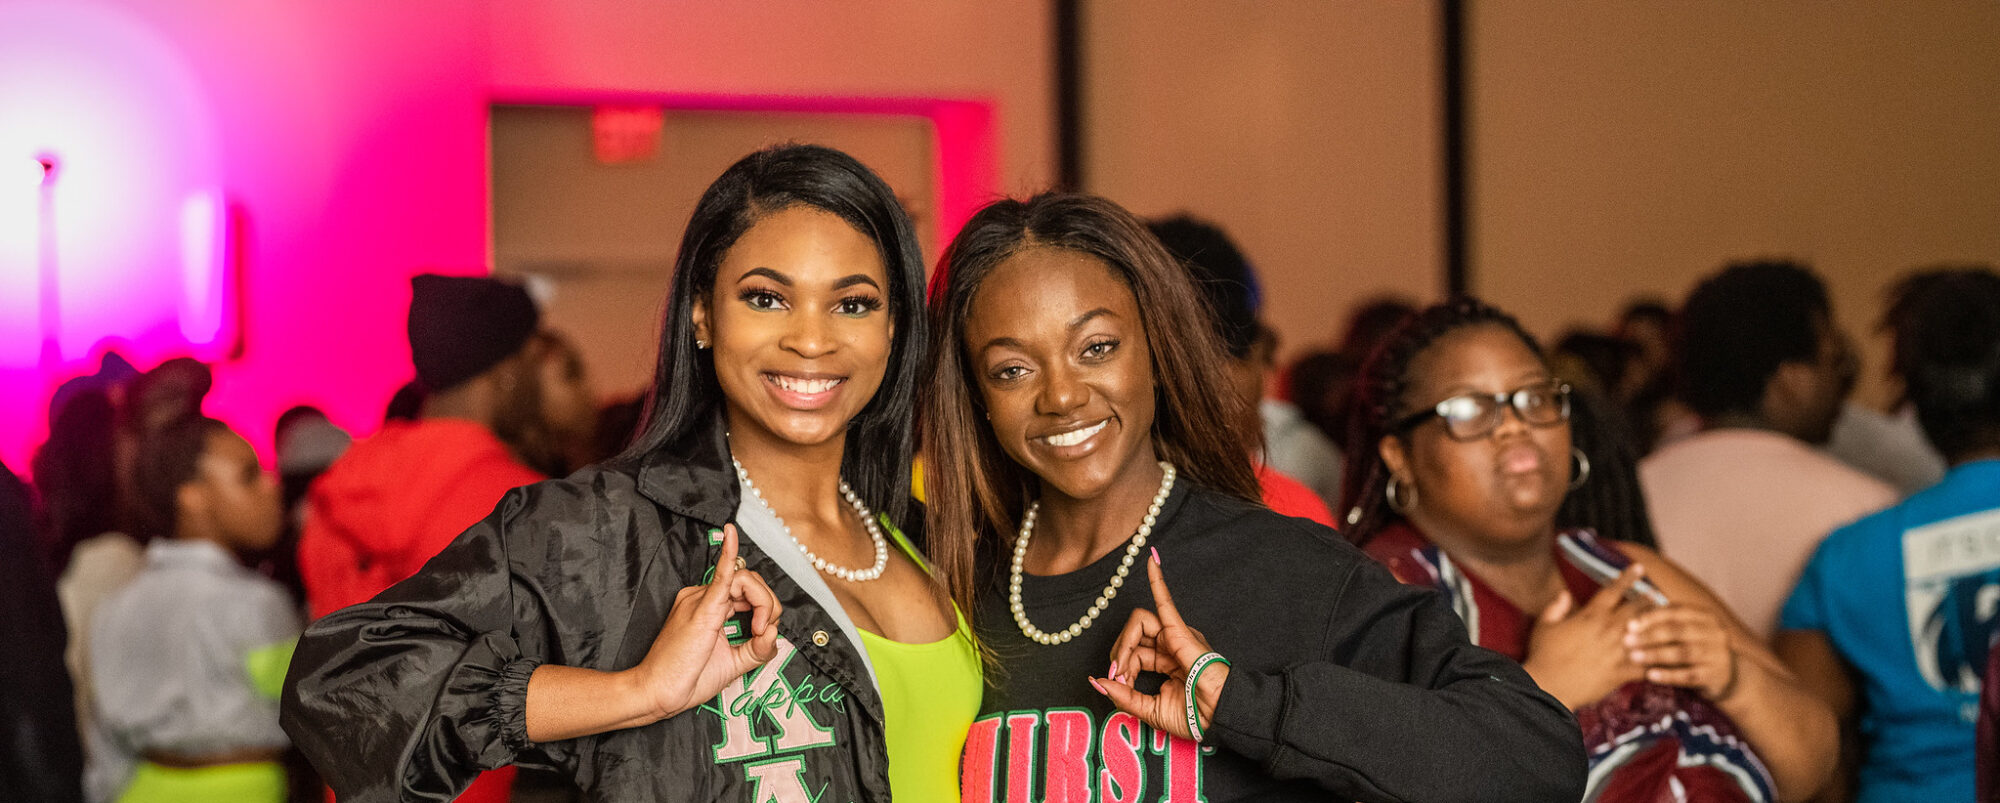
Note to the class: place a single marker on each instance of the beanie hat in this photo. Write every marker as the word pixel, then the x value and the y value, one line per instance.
pixel 462 325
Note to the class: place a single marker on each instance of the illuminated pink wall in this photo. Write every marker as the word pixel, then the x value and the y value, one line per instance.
pixel 347 142
pixel 347 137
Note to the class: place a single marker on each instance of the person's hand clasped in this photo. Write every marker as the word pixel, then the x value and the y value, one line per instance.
pixel 1161 642
pixel 1682 646
pixel 692 660
pixel 1579 654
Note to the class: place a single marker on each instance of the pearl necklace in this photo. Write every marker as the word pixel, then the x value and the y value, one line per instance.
pixel 1117 580
pixel 854 501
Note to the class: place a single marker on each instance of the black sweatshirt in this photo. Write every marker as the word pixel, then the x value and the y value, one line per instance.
pixel 1344 684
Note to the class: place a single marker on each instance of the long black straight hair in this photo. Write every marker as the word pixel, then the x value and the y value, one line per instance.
pixel 685 393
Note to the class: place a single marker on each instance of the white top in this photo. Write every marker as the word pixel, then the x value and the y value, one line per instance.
pixel 761 526
pixel 99 566
pixel 1742 509
pixel 1297 449
pixel 1891 448
pixel 172 654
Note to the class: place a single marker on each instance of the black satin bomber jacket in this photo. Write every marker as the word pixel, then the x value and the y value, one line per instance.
pixel 410 695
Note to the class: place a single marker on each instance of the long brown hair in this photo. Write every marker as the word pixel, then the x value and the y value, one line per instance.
pixel 975 492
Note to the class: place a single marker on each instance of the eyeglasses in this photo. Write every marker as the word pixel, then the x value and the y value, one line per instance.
pixel 1471 416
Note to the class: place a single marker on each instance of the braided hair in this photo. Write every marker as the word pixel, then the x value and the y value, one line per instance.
pixel 1379 402
pixel 1611 502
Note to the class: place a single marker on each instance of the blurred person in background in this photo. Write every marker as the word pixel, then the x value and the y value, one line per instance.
pixel 76 473
pixel 307 443
pixel 76 469
pixel 562 438
pixel 1648 325
pixel 84 474
pixel 1891 446
pixel 94 549
pixel 1298 468
pixel 187 659
pixel 1893 617
pixel 395 499
pixel 1743 503
pixel 392 500
pixel 1602 364
pixel 406 404
pixel 1462 456
pixel 1654 415
pixel 1371 323
pixel 1318 383
pixel 41 757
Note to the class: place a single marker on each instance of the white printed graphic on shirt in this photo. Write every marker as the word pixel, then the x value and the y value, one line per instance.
pixel 1951 590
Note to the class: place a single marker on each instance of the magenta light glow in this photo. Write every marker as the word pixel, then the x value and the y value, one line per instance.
pixel 20 226
pixel 121 109
pixel 204 265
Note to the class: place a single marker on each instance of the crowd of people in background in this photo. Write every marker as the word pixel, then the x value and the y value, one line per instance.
pixel 1742 582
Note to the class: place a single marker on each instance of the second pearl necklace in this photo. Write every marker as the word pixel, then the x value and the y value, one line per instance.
pixel 861 510
pixel 1117 580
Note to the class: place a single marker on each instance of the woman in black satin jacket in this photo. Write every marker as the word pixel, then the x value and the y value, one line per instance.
pixel 618 626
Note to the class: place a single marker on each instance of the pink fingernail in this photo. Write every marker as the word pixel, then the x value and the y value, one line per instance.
pixel 1156 556
pixel 1113 671
pixel 1098 686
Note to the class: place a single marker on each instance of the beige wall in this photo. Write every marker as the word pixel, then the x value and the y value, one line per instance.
pixel 547 49
pixel 1305 128
pixel 1631 148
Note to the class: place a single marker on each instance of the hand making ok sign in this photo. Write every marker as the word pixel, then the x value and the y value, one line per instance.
pixel 1161 642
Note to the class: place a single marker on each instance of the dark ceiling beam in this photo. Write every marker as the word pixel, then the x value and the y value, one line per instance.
pixel 1457 220
pixel 1068 20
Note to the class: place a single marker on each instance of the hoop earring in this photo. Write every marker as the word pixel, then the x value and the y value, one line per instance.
pixel 1393 492
pixel 1582 468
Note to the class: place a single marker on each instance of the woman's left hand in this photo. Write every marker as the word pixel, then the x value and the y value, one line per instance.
pixel 1161 642
pixel 1683 646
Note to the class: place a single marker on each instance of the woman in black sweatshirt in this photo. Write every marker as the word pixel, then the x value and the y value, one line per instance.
pixel 1077 429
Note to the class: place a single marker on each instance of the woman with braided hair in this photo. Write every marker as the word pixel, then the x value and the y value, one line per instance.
pixel 1459 455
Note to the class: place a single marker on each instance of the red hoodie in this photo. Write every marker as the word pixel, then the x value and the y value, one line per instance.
pixel 391 503
pixel 396 499
pixel 1291 497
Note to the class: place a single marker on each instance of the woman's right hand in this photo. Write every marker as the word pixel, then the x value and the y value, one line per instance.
pixel 692 660
pixel 1578 654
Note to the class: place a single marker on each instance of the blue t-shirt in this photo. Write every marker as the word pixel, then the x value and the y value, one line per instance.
pixel 1908 597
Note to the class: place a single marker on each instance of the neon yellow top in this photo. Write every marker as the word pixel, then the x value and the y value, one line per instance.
pixel 930 693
